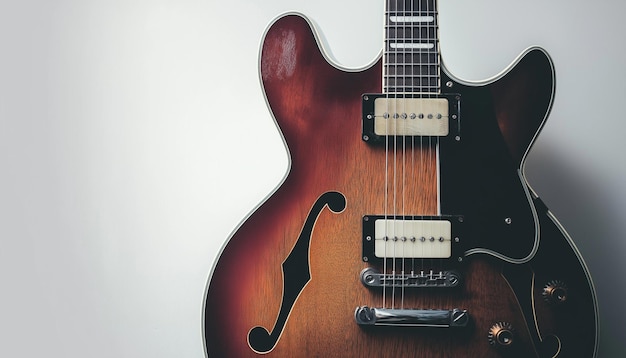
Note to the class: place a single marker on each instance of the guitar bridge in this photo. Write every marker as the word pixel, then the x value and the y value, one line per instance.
pixel 371 278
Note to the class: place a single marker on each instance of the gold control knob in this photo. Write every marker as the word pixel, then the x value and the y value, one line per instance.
pixel 501 335
pixel 555 292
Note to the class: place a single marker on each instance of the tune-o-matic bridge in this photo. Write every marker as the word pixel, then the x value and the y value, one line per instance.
pixel 412 237
pixel 372 278
pixel 366 316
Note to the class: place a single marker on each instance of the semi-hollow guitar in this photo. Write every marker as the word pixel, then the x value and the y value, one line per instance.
pixel 405 226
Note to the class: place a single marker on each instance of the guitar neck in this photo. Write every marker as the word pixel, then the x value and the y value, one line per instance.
pixel 411 51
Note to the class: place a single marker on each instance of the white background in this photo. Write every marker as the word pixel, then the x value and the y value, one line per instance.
pixel 134 137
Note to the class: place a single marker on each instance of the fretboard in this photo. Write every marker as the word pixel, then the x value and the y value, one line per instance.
pixel 411 53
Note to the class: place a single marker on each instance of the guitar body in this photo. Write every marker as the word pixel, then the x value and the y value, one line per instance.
pixel 287 282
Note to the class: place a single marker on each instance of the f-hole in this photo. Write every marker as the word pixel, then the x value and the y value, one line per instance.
pixel 296 273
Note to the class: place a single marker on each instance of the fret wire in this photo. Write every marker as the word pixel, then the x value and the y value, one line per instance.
pixel 411 51
pixel 393 76
pixel 409 89
pixel 390 23
pixel 413 90
pixel 399 50
pixel 414 11
pixel 412 64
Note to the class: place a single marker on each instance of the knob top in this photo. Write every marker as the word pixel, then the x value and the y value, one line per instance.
pixel 555 292
pixel 501 335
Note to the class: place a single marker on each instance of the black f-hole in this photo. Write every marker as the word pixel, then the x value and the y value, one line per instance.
pixel 296 273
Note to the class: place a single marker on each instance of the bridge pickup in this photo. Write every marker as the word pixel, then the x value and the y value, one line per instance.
pixel 412 237
pixel 442 279
pixel 366 316
pixel 405 117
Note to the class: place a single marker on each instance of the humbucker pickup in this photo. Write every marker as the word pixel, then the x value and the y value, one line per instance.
pixel 411 237
pixel 400 116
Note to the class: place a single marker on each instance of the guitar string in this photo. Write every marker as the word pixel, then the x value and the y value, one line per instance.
pixel 413 166
pixel 395 167
pixel 386 186
pixel 397 109
pixel 416 83
pixel 431 56
pixel 386 84
pixel 393 26
pixel 397 105
pixel 424 147
pixel 401 111
pixel 406 33
pixel 435 79
pixel 410 82
pixel 425 58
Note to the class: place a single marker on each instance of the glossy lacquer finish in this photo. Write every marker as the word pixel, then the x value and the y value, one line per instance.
pixel 293 266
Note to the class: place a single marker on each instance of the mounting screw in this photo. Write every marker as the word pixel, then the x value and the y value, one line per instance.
pixel 456 239
pixel 366 98
pixel 365 258
pixel 368 238
pixel 460 259
pixel 449 84
pixel 366 138
pixel 508 221
pixel 369 116
pixel 454 116
pixel 457 138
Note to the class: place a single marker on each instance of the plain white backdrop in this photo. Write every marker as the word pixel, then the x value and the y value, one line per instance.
pixel 134 137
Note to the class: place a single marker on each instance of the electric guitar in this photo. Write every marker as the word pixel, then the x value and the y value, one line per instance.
pixel 405 226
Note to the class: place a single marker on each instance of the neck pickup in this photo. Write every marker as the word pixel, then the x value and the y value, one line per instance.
pixel 388 116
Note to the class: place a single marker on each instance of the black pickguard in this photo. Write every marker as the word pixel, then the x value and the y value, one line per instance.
pixel 480 173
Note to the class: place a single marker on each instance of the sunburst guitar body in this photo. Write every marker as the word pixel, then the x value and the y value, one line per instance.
pixel 405 226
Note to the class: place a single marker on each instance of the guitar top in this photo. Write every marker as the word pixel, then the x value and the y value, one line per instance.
pixel 405 226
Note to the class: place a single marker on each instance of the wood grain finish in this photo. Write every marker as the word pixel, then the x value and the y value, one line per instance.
pixel 318 109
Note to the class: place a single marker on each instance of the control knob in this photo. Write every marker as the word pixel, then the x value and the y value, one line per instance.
pixel 555 292
pixel 501 335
